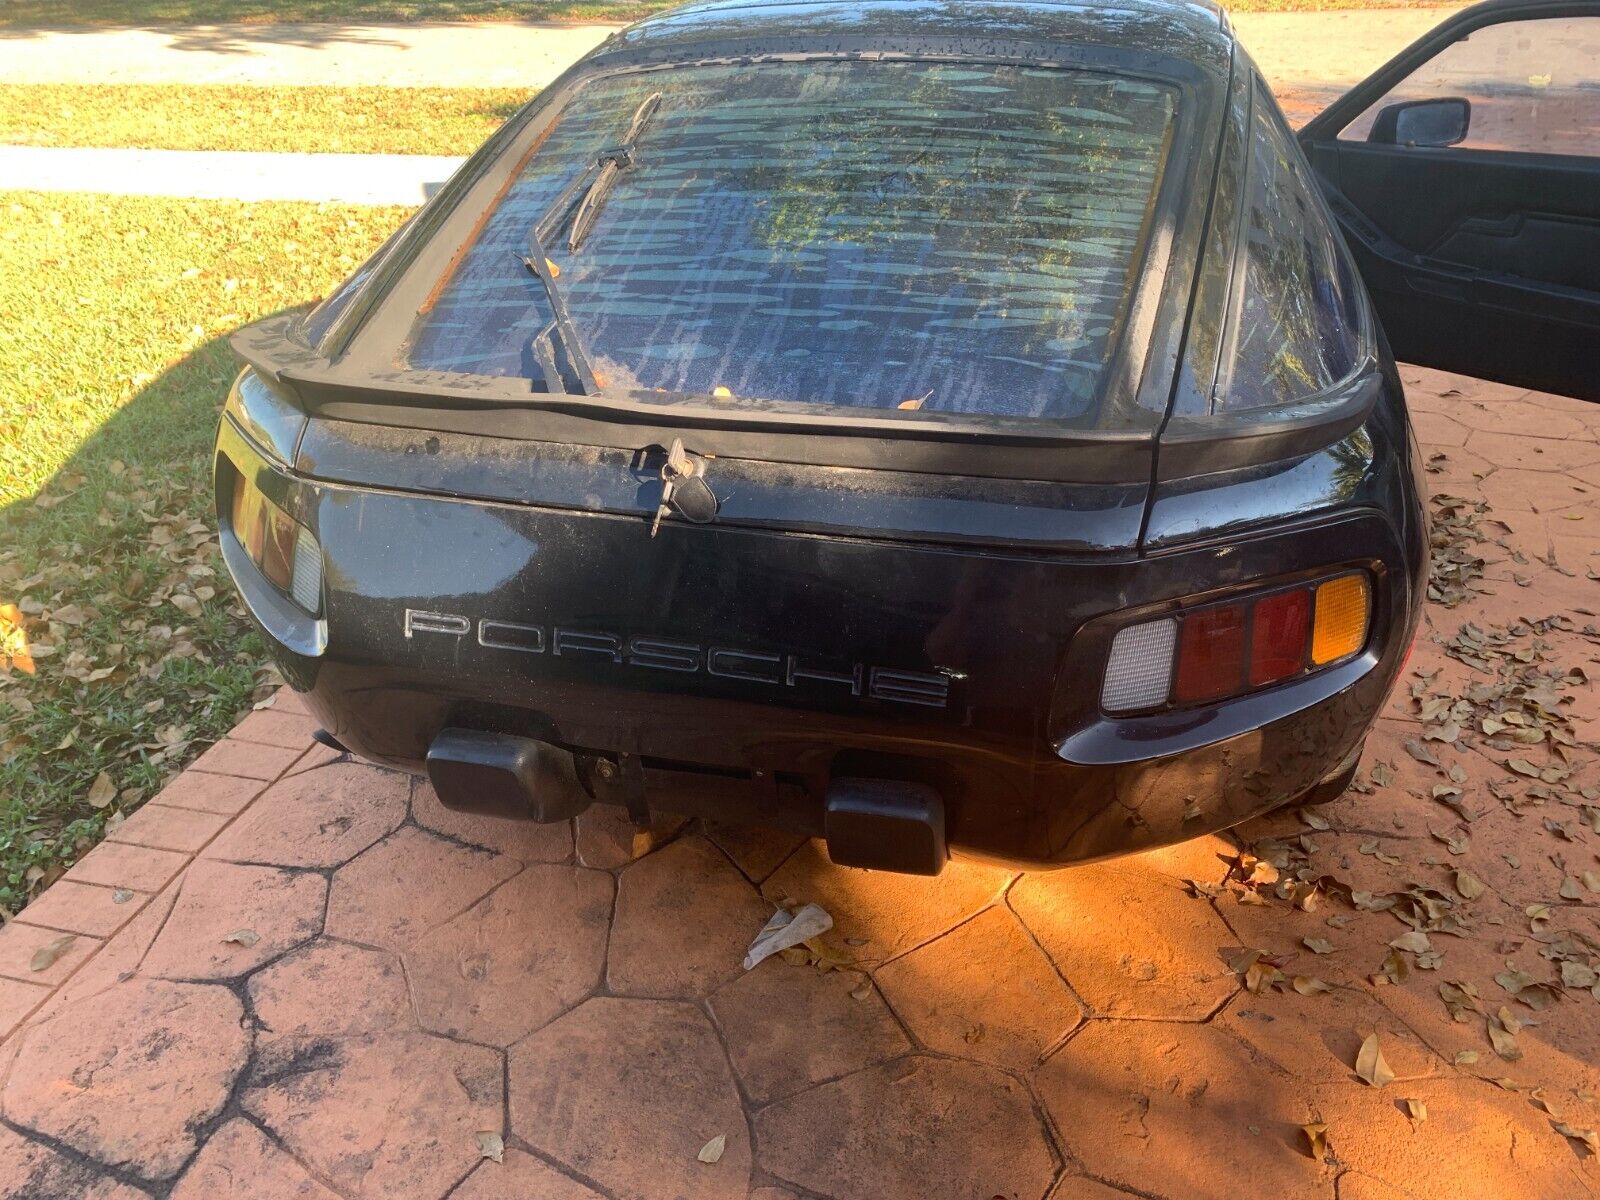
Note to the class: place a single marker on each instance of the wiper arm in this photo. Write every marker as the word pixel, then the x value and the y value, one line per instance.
pixel 560 328
pixel 612 164
pixel 609 164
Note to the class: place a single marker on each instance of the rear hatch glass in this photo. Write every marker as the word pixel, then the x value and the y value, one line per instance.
pixel 948 237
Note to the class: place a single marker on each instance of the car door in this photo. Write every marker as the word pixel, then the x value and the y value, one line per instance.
pixel 1466 175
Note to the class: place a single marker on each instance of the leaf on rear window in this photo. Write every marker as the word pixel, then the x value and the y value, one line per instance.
pixel 1371 1067
pixel 243 937
pixel 46 955
pixel 711 1152
pixel 491 1145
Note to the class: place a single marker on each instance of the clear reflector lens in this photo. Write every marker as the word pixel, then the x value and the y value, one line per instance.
pixel 1139 672
pixel 307 585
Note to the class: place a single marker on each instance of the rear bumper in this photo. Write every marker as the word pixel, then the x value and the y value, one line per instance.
pixel 741 670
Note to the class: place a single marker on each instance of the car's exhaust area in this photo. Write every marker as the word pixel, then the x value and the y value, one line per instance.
pixel 879 824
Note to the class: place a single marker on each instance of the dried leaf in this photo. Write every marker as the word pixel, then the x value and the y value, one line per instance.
pixel 491 1145
pixel 1587 1136
pixel 46 955
pixel 1371 1067
pixel 712 1151
pixel 1465 1058
pixel 1317 945
pixel 1413 942
pixel 243 937
pixel 1309 985
pixel 102 791
pixel 121 895
pixel 1317 1137
pixel 1504 1043
pixel 1417 1111
pixel 1468 885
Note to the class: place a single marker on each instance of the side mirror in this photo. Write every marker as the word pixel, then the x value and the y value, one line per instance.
pixel 1441 122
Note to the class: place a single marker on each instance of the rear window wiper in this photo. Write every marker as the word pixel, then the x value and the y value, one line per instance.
pixel 609 163
pixel 612 163
pixel 560 332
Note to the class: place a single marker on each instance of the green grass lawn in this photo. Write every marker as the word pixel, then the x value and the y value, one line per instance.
pixel 112 374
pixel 348 120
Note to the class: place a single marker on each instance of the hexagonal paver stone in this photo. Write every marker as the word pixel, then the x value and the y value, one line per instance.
pixel 521 956
pixel 1317 1037
pixel 607 839
pixel 924 1127
pixel 320 818
pixel 521 1176
pixel 128 1076
pixel 230 919
pixel 394 1115
pixel 30 1171
pixel 982 991
pixel 886 914
pixel 1532 454
pixel 329 990
pixel 626 1093
pixel 527 841
pixel 1131 943
pixel 757 850
pixel 790 1027
pixel 239 1163
pixel 1081 1187
pixel 407 884
pixel 685 917
pixel 1477 1140
pixel 1180 1110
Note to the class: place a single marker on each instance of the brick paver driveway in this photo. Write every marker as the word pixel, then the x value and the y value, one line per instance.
pixel 294 976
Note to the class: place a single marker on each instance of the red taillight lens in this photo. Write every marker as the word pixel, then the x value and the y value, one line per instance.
pixel 1210 654
pixel 1278 637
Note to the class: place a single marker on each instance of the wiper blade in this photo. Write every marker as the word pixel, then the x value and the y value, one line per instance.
pixel 612 164
pixel 560 330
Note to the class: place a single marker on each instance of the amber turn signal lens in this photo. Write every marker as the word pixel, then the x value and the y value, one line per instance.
pixel 1339 627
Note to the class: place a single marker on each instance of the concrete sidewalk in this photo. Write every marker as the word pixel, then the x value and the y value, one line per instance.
pixel 296 977
pixel 228 175
pixel 1310 56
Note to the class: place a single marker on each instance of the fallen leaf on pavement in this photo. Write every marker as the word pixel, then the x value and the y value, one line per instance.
pixel 1417 1111
pixel 712 1151
pixel 1308 985
pixel 491 1145
pixel 1317 945
pixel 243 937
pixel 1371 1067
pixel 1587 1136
pixel 46 955
pixel 1317 1135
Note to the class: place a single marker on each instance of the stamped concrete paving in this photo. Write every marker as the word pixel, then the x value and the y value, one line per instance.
pixel 291 975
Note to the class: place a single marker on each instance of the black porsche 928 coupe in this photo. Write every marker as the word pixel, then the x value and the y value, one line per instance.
pixel 927 426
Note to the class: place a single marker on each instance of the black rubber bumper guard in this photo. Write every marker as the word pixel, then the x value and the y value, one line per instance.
pixel 880 824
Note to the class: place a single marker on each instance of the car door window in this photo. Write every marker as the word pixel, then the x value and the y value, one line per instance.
pixel 1534 87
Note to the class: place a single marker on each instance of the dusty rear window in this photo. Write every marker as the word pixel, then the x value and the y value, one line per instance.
pixel 869 235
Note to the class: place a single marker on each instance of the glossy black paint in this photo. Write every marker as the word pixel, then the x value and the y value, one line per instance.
pixel 743 664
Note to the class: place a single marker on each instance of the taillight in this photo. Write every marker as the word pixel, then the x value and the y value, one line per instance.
pixel 1214 651
pixel 284 550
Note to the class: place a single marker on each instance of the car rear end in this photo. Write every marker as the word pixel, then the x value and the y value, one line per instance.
pixel 991 567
